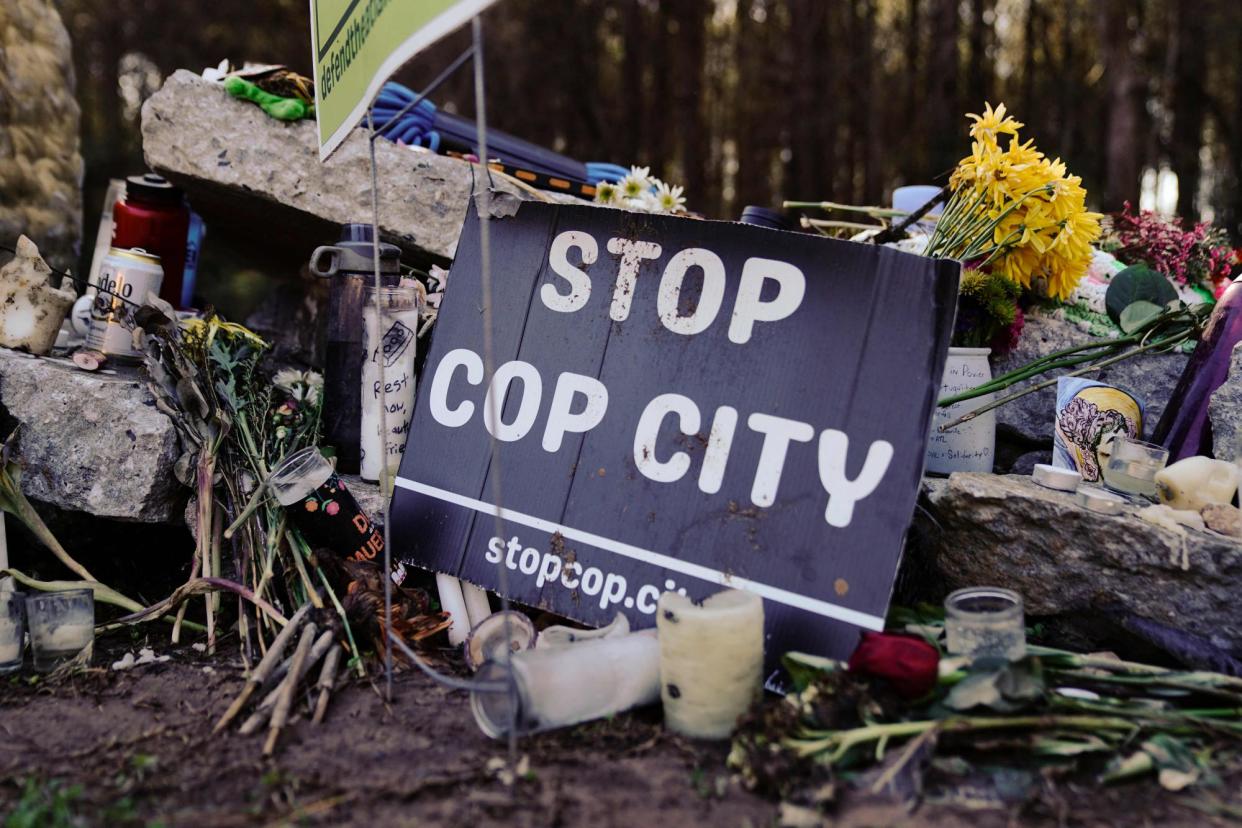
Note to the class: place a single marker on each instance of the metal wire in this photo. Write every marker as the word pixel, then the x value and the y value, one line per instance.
pixel 452 682
pixel 509 686
pixel 489 368
pixel 79 280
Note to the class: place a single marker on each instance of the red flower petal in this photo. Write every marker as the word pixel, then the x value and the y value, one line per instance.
pixel 906 662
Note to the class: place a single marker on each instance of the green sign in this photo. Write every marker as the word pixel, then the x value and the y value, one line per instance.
pixel 358 44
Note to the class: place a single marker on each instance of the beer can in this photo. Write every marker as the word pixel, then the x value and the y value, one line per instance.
pixel 126 277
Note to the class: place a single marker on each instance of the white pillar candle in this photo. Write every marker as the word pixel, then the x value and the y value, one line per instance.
pixel 477 605
pixel 388 374
pixel 711 660
pixel 454 603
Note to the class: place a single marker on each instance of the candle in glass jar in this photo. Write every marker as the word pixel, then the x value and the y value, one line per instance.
pixel 388 377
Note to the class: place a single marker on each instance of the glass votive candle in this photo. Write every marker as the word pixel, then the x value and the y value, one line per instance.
pixel 1132 466
pixel 985 622
pixel 12 630
pixel 62 627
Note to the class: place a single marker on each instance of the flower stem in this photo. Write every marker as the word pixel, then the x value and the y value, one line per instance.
pixel 1162 343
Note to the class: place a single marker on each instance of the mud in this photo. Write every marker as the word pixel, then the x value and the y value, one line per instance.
pixel 137 746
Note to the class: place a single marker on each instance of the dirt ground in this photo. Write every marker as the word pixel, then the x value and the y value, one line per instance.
pixel 135 748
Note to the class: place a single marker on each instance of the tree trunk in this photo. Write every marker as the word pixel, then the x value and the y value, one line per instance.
pixel 1188 104
pixel 1123 166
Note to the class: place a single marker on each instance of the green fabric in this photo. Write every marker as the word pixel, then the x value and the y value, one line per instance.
pixel 283 109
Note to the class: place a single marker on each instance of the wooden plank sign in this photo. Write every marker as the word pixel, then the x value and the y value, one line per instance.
pixel 682 405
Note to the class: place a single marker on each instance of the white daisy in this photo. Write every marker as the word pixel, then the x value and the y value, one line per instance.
pixel 636 183
pixel 669 199
pixel 606 192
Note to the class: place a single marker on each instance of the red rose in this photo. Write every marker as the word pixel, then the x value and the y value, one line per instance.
pixel 906 662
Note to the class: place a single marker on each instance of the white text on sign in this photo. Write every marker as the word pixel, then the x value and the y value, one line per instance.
pixel 579 402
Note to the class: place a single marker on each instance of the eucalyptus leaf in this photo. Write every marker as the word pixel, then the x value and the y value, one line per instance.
pixel 1137 314
pixel 1137 283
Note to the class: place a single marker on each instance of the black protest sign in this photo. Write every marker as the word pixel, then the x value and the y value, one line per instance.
pixel 682 405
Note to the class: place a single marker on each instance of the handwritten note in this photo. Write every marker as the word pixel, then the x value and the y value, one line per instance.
pixel 971 445
pixel 393 393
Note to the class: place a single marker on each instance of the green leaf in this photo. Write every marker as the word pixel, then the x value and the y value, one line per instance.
pixel 1004 688
pixel 1137 314
pixel 1175 764
pixel 804 668
pixel 1137 283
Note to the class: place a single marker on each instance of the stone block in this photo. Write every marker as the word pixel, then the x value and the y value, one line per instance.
pixel 91 442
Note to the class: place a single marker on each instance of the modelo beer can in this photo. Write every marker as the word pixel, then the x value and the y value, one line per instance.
pixel 126 278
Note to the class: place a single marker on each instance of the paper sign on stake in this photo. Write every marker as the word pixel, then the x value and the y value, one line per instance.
pixel 683 405
pixel 356 45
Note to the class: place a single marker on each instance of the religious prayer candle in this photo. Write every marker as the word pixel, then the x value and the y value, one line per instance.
pixel 564 686
pixel 711 660
pixel 388 377
pixel 323 509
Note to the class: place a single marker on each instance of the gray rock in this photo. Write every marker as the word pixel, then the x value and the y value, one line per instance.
pixel 1225 411
pixel 253 177
pixel 1066 561
pixel 40 166
pixel 1149 377
pixel 91 442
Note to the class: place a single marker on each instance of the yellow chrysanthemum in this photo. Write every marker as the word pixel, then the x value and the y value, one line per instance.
pixel 1016 211
pixel 992 123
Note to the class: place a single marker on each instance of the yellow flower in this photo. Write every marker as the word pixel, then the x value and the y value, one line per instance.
pixel 992 123
pixel 1016 210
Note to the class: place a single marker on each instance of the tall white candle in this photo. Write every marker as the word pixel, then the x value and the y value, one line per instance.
pixel 711 660
pixel 454 603
pixel 388 378
pixel 477 605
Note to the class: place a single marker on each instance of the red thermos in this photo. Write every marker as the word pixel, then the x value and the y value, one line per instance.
pixel 153 215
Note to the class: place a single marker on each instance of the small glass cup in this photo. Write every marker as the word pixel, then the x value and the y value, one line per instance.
pixel 62 627
pixel 985 622
pixel 12 630
pixel 1132 466
pixel 298 475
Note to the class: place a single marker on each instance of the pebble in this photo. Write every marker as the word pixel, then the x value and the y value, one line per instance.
pixel 1224 519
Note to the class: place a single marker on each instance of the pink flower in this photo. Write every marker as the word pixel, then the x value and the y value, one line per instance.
pixel 332 508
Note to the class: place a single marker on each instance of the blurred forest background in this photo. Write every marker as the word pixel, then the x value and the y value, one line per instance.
pixel 751 101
